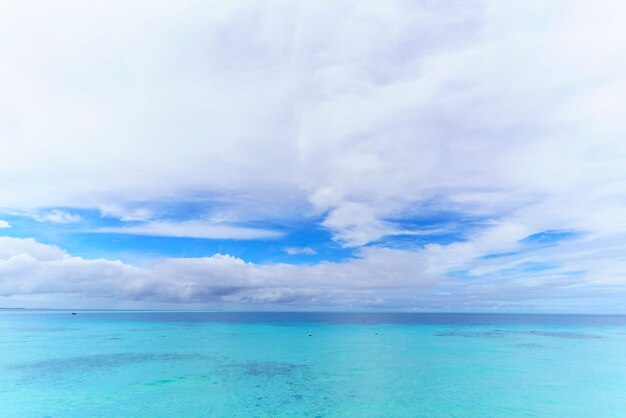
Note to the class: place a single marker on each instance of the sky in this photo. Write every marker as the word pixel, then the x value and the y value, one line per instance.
pixel 334 155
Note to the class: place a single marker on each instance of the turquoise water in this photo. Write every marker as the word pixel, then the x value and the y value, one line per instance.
pixel 177 364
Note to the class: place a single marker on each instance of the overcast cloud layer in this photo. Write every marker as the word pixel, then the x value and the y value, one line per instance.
pixel 505 118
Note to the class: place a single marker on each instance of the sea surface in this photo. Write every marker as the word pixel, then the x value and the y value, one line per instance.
pixel 207 364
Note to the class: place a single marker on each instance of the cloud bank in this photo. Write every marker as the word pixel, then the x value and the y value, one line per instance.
pixel 433 278
pixel 364 115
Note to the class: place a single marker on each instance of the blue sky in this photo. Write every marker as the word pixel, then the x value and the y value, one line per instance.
pixel 466 156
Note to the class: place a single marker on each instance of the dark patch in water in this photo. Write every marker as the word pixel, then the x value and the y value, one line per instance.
pixel 472 334
pixel 99 362
pixel 268 369
pixel 558 334
pixel 528 345
pixel 160 382
pixel 506 333
pixel 165 381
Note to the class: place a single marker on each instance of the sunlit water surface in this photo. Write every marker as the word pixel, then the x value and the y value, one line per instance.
pixel 200 364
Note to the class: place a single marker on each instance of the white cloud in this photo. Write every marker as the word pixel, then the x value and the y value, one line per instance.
pixel 126 214
pixel 300 251
pixel 4 224
pixel 192 229
pixel 364 109
pixel 56 216
pixel 30 268
pixel 39 274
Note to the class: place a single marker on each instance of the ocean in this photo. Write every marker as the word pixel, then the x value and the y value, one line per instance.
pixel 228 364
